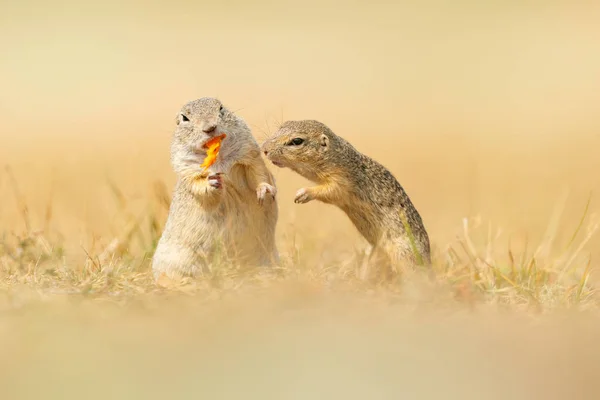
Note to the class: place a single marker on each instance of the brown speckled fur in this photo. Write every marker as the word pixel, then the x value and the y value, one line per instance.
pixel 364 189
pixel 239 217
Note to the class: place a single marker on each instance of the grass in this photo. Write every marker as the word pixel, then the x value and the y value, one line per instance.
pixel 493 318
pixel 472 268
pixel 102 328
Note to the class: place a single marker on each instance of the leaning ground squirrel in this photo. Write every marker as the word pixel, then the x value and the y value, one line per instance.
pixel 364 189
pixel 229 205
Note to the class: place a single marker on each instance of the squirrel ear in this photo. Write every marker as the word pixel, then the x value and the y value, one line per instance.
pixel 324 140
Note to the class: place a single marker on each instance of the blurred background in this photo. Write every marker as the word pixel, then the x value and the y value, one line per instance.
pixel 482 110
pixel 478 109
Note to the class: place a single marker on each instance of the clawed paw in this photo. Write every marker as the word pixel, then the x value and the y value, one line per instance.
pixel 215 180
pixel 264 190
pixel 302 196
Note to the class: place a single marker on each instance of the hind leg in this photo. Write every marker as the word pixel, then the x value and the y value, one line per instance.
pixel 175 262
pixel 375 268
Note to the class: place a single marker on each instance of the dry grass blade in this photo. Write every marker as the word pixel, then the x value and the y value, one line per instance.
pixel 583 281
pixel 22 203
pixel 543 250
pixel 117 193
pixel 162 194
pixel 49 210
pixel 583 216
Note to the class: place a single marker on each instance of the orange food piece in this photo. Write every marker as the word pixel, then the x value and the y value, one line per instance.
pixel 213 146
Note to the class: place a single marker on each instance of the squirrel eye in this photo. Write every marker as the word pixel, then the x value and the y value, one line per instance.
pixel 221 109
pixel 296 141
pixel 184 118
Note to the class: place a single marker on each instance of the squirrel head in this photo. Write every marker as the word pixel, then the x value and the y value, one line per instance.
pixel 199 121
pixel 303 146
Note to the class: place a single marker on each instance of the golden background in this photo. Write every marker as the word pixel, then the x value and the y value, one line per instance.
pixel 486 110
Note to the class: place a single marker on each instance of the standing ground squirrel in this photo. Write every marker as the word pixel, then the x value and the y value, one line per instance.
pixel 230 206
pixel 364 189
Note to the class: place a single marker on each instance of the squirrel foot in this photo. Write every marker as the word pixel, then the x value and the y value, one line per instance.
pixel 264 189
pixel 215 180
pixel 303 196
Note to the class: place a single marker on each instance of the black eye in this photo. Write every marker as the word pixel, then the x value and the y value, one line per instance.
pixel 221 109
pixel 184 118
pixel 296 141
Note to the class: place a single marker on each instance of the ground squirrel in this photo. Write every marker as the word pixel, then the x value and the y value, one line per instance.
pixel 364 189
pixel 230 206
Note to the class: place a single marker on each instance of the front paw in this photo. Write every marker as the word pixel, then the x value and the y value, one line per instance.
pixel 215 180
pixel 303 196
pixel 263 190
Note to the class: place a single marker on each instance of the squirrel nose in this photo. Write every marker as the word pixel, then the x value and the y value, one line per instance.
pixel 209 128
pixel 266 152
